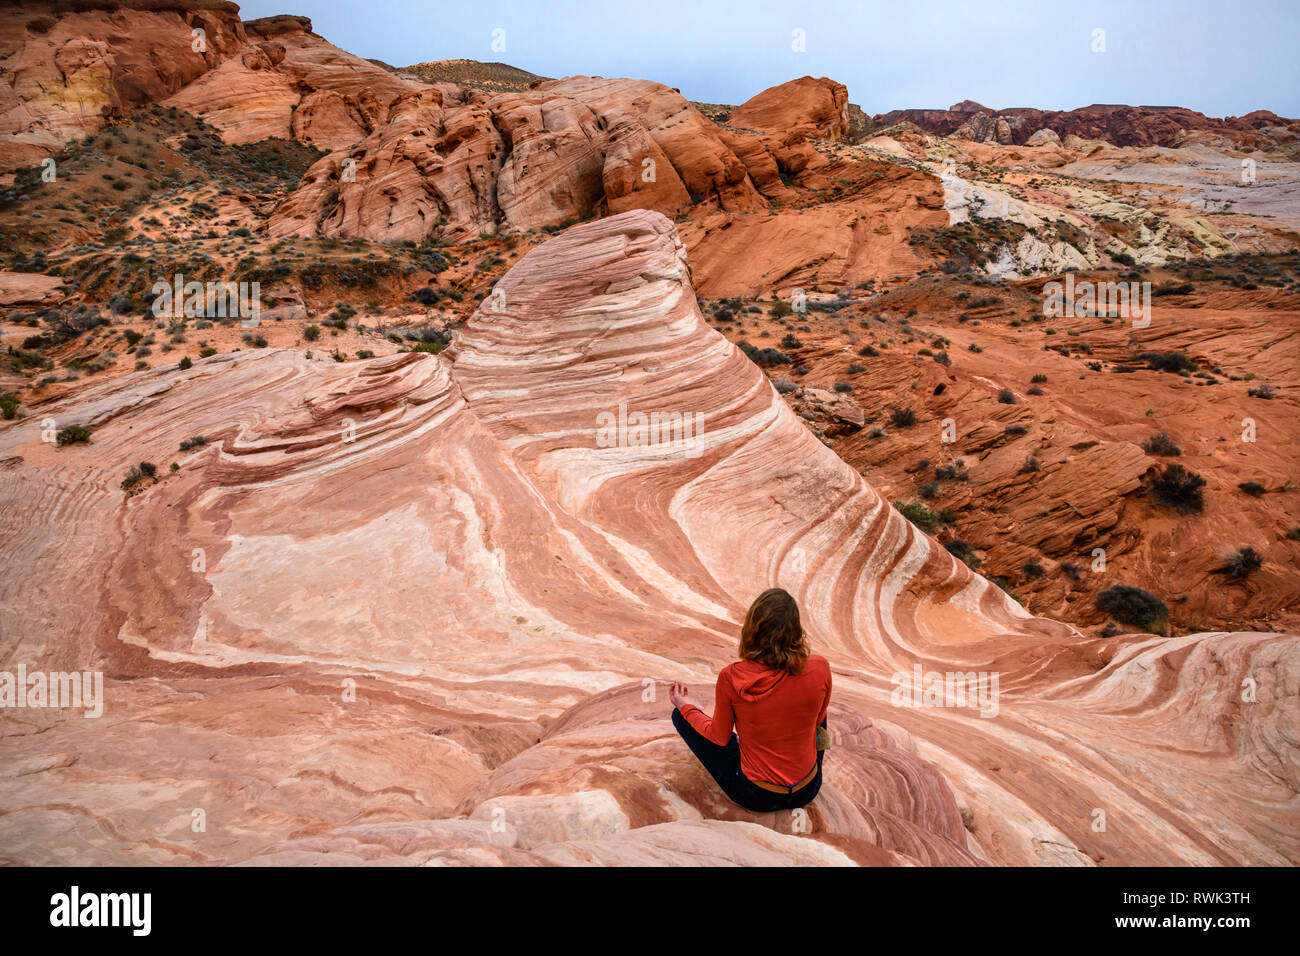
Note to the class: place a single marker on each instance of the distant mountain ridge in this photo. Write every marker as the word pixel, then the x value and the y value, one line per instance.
pixel 1118 124
pixel 494 77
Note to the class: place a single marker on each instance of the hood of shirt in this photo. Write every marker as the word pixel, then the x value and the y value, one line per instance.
pixel 754 681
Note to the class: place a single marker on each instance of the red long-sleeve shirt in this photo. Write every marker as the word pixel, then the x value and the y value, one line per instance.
pixel 776 715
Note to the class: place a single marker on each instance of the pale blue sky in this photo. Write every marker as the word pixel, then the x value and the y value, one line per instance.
pixel 1222 57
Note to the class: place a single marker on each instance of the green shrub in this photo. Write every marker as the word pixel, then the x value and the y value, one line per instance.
pixel 1175 362
pixel 962 551
pixel 1134 606
pixel 1161 444
pixel 137 474
pixel 923 517
pixel 1178 488
pixel 72 435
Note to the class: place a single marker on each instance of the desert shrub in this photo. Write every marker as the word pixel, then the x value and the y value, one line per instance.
pixel 67 325
pixel 1039 379
pixel 780 308
pixel 20 359
pixel 1178 488
pixel 955 472
pixel 1071 570
pixel 1006 397
pixel 1261 391
pixel 72 435
pixel 1032 569
pixel 1133 606
pixel 1173 288
pixel 185 363
pixel 204 353
pixel 923 517
pixel 769 356
pixel 1293 534
pixel 843 387
pixel 311 332
pixel 8 405
pixel 1161 444
pixel 1015 430
pixel 365 354
pixel 137 474
pixel 856 369
pixel 1175 362
pixel 876 432
pixel 930 490
pixel 902 418
pixel 784 386
pixel 974 348
pixel 1240 564
pixel 868 352
pixel 1030 465
pixel 1032 390
pixel 789 341
pixel 425 295
pixel 194 441
pixel 960 550
pixel 1253 488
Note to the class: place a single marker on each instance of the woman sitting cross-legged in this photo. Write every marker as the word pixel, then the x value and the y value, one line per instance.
pixel 777 696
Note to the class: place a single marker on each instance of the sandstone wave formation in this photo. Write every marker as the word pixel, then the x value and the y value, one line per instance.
pixel 421 608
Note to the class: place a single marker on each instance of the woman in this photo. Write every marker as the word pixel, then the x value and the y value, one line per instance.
pixel 777 695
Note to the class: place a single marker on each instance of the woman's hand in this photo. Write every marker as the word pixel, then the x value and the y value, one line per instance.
pixel 678 694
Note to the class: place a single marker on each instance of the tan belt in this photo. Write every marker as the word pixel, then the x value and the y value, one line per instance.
pixel 780 788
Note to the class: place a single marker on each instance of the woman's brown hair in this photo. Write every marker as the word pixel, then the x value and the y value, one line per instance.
pixel 772 634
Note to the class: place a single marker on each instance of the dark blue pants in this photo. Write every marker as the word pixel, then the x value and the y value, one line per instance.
pixel 723 764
